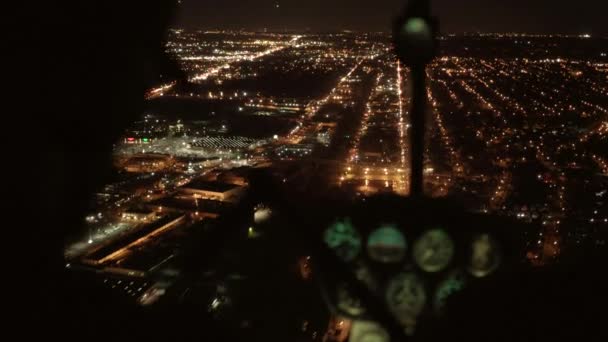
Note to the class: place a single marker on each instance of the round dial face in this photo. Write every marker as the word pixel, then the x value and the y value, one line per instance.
pixel 343 239
pixel 347 302
pixel 367 331
pixel 484 257
pixel 434 250
pixel 406 297
pixel 386 244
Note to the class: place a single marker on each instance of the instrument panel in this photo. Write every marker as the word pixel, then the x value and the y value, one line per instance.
pixel 410 257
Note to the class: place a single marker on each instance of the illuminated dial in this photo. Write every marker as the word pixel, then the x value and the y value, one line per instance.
pixel 343 239
pixel 434 250
pixel 347 302
pixel 454 283
pixel 406 297
pixel 484 257
pixel 386 244
pixel 367 331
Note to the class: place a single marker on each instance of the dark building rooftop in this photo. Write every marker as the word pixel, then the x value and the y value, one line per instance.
pixel 199 184
pixel 139 210
pixel 132 236
pixel 203 205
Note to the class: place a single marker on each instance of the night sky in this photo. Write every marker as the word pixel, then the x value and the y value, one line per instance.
pixel 533 16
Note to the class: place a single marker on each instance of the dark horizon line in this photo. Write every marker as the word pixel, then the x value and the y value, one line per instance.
pixel 349 30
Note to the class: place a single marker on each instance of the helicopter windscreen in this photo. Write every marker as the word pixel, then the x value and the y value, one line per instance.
pixel 294 126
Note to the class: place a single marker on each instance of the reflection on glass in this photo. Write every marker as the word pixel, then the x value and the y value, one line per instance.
pixel 434 250
pixel 343 239
pixel 386 244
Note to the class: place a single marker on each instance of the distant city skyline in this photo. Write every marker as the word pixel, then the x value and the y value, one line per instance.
pixel 541 16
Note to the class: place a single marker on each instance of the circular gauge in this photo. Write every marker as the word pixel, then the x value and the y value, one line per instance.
pixel 406 297
pixel 484 257
pixel 366 331
pixel 454 283
pixel 343 239
pixel 347 302
pixel 386 244
pixel 434 250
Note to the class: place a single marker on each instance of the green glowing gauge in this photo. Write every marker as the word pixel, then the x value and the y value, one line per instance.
pixel 347 302
pixel 368 331
pixel 454 283
pixel 343 239
pixel 418 28
pixel 484 256
pixel 406 298
pixel 434 250
pixel 386 244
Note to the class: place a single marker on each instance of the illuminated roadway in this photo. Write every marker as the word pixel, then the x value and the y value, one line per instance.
pixel 236 59
pixel 305 127
pixel 393 175
pixel 159 91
